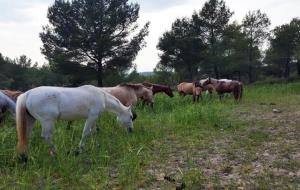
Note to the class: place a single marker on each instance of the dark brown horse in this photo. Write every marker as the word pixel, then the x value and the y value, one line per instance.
pixel 226 86
pixel 158 88
pixel 190 88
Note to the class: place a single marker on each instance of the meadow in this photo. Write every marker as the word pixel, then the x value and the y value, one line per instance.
pixel 214 144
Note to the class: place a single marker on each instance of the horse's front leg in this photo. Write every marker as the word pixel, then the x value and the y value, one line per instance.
pixel 90 123
pixel 47 126
pixel 69 125
pixel 221 96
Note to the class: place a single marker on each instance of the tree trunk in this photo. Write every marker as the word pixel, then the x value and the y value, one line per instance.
pixel 287 68
pixel 99 74
pixel 250 74
pixel 298 68
pixel 250 62
pixel 217 75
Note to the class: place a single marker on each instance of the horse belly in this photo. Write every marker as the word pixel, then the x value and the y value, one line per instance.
pixel 76 107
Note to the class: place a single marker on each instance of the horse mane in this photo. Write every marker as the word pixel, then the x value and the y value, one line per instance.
pixel 132 86
pixel 147 84
pixel 12 94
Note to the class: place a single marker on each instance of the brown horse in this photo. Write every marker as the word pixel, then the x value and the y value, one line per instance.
pixel 12 94
pixel 188 88
pixel 158 88
pixel 223 86
pixel 129 93
pixel 208 88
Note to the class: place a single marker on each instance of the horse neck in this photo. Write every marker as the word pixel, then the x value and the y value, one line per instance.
pixel 112 104
pixel 214 82
pixel 140 92
pixel 157 89
pixel 11 105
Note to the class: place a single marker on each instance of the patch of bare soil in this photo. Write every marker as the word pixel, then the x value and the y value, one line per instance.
pixel 264 154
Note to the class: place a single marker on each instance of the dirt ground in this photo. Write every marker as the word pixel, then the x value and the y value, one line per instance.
pixel 264 154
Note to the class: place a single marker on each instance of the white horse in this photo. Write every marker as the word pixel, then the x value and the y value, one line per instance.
pixel 6 104
pixel 47 104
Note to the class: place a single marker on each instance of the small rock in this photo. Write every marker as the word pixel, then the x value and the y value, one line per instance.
pixel 291 174
pixel 160 177
pixel 276 111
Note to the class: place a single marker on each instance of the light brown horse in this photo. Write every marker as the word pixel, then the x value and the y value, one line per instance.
pixel 190 88
pixel 223 86
pixel 12 94
pixel 129 93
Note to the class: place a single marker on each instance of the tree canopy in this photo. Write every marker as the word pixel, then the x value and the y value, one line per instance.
pixel 94 35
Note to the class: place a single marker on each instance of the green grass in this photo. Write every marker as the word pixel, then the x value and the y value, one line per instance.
pixel 198 145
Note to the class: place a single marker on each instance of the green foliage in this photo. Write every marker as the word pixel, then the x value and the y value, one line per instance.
pixel 92 35
pixel 255 27
pixel 20 74
pixel 212 20
pixel 284 48
pixel 182 50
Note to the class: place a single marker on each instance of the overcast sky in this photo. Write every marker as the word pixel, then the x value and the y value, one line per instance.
pixel 21 22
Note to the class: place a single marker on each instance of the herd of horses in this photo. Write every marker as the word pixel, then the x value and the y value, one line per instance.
pixel 47 104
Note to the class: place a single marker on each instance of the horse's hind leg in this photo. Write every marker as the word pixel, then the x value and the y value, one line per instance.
pixel 89 124
pixel 30 124
pixel 47 126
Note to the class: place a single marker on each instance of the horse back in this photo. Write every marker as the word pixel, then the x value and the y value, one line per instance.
pixel 67 103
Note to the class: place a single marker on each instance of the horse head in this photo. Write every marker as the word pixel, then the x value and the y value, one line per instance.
pixel 169 91
pixel 147 95
pixel 197 83
pixel 126 118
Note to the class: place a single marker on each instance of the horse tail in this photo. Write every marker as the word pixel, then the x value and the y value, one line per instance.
pixel 236 91
pixel 21 121
pixel 241 90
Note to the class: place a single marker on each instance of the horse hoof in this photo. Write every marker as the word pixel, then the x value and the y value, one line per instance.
pixel 23 158
pixel 77 152
pixel 52 153
pixel 130 130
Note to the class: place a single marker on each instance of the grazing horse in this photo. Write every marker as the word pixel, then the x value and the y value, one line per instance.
pixel 188 88
pixel 223 86
pixel 47 104
pixel 6 104
pixel 208 88
pixel 12 94
pixel 129 93
pixel 158 88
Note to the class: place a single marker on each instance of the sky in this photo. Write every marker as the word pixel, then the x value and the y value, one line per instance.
pixel 21 22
